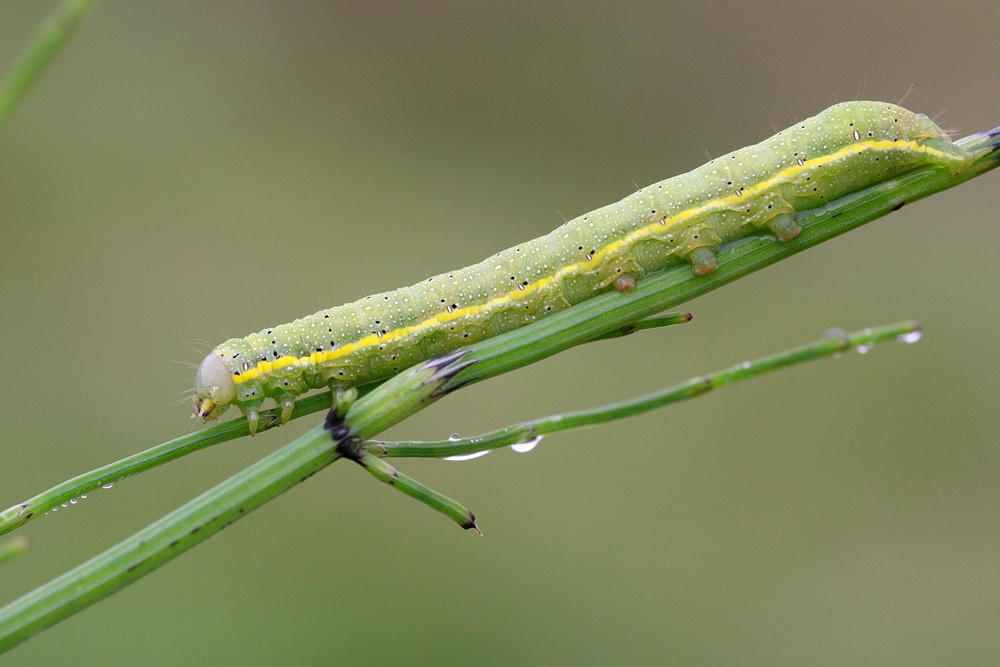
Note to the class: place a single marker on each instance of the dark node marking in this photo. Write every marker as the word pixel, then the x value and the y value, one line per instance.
pixel 174 543
pixel 898 206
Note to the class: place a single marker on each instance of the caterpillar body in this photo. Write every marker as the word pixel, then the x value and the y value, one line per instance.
pixel 684 218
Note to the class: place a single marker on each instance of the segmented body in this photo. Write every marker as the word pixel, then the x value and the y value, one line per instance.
pixel 845 148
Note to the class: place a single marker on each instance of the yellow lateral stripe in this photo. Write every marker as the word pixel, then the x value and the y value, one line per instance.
pixel 711 206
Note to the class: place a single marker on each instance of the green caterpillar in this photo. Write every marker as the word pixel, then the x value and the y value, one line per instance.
pixel 845 148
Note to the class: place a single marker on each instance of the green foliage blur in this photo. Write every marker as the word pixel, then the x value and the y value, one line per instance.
pixel 186 173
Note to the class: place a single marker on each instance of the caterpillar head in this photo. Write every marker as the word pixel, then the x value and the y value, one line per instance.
pixel 214 388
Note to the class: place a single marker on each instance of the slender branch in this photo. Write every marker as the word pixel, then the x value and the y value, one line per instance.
pixel 13 548
pixel 384 472
pixel 45 45
pixel 833 342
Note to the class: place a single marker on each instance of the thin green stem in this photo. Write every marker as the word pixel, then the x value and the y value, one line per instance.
pixel 19 514
pixel 667 320
pixel 13 548
pixel 531 431
pixel 384 472
pixel 45 45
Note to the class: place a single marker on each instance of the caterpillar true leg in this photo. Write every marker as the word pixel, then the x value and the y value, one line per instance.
pixel 252 410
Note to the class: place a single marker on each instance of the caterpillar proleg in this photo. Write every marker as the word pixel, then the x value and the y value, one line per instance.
pixel 684 218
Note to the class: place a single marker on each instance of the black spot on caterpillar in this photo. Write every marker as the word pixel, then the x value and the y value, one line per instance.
pixel 685 218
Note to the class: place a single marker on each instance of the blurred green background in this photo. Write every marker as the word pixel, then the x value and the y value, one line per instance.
pixel 188 172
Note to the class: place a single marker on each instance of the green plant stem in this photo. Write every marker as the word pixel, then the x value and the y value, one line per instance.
pixel 384 472
pixel 46 44
pixel 412 390
pixel 13 548
pixel 831 344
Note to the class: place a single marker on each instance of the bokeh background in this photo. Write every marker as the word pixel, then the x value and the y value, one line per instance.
pixel 188 172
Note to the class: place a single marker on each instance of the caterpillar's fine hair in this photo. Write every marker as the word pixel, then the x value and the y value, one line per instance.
pixel 685 218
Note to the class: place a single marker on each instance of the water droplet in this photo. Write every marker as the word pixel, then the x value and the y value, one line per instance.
pixel 55 509
pixel 745 365
pixel 108 485
pixel 467 457
pixel 910 336
pixel 523 447
pixel 454 436
pixel 834 333
pixel 65 504
pixel 863 349
pixel 83 495
pixel 73 501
